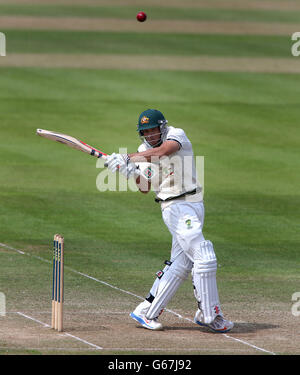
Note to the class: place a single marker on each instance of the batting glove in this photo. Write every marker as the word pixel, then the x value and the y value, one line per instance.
pixel 116 161
pixel 131 170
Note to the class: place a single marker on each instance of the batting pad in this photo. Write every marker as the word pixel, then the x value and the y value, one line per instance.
pixel 167 285
pixel 154 289
pixel 205 283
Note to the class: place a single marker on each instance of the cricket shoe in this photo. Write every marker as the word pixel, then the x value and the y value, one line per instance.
pixel 219 324
pixel 142 308
pixel 139 317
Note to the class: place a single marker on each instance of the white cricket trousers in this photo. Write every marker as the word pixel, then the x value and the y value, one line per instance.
pixel 185 222
pixel 189 252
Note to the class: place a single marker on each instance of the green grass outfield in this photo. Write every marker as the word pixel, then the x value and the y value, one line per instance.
pixel 154 12
pixel 29 41
pixel 251 184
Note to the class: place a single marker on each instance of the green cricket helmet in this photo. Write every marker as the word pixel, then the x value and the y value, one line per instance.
pixel 152 118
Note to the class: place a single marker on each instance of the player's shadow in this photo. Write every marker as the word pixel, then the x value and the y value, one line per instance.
pixel 244 327
pixel 247 327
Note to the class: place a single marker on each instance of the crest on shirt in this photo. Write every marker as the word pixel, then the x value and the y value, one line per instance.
pixel 149 173
pixel 188 223
pixel 145 120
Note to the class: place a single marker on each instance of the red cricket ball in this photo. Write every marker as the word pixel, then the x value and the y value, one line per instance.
pixel 141 16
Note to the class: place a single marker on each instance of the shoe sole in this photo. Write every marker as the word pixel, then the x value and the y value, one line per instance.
pixel 143 323
pixel 212 329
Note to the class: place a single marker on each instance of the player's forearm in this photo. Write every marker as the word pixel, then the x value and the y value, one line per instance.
pixel 154 154
pixel 146 156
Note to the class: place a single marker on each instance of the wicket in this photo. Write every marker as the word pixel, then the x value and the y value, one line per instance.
pixel 58 283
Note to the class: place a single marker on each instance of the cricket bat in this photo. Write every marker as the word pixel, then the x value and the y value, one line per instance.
pixel 71 142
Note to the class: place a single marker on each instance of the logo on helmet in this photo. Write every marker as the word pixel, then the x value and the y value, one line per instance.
pixel 145 120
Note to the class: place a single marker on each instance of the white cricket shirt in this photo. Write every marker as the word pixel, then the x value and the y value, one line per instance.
pixel 173 175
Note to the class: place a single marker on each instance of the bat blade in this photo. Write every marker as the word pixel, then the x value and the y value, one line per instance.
pixel 71 142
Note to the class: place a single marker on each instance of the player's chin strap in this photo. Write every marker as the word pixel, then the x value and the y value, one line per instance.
pixel 163 131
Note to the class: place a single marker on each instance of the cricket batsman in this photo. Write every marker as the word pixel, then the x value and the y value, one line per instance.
pixel 165 162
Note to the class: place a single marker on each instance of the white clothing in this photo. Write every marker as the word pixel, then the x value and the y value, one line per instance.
pixel 174 175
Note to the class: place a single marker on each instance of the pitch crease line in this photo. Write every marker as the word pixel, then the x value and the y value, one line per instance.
pixel 132 294
pixel 64 333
